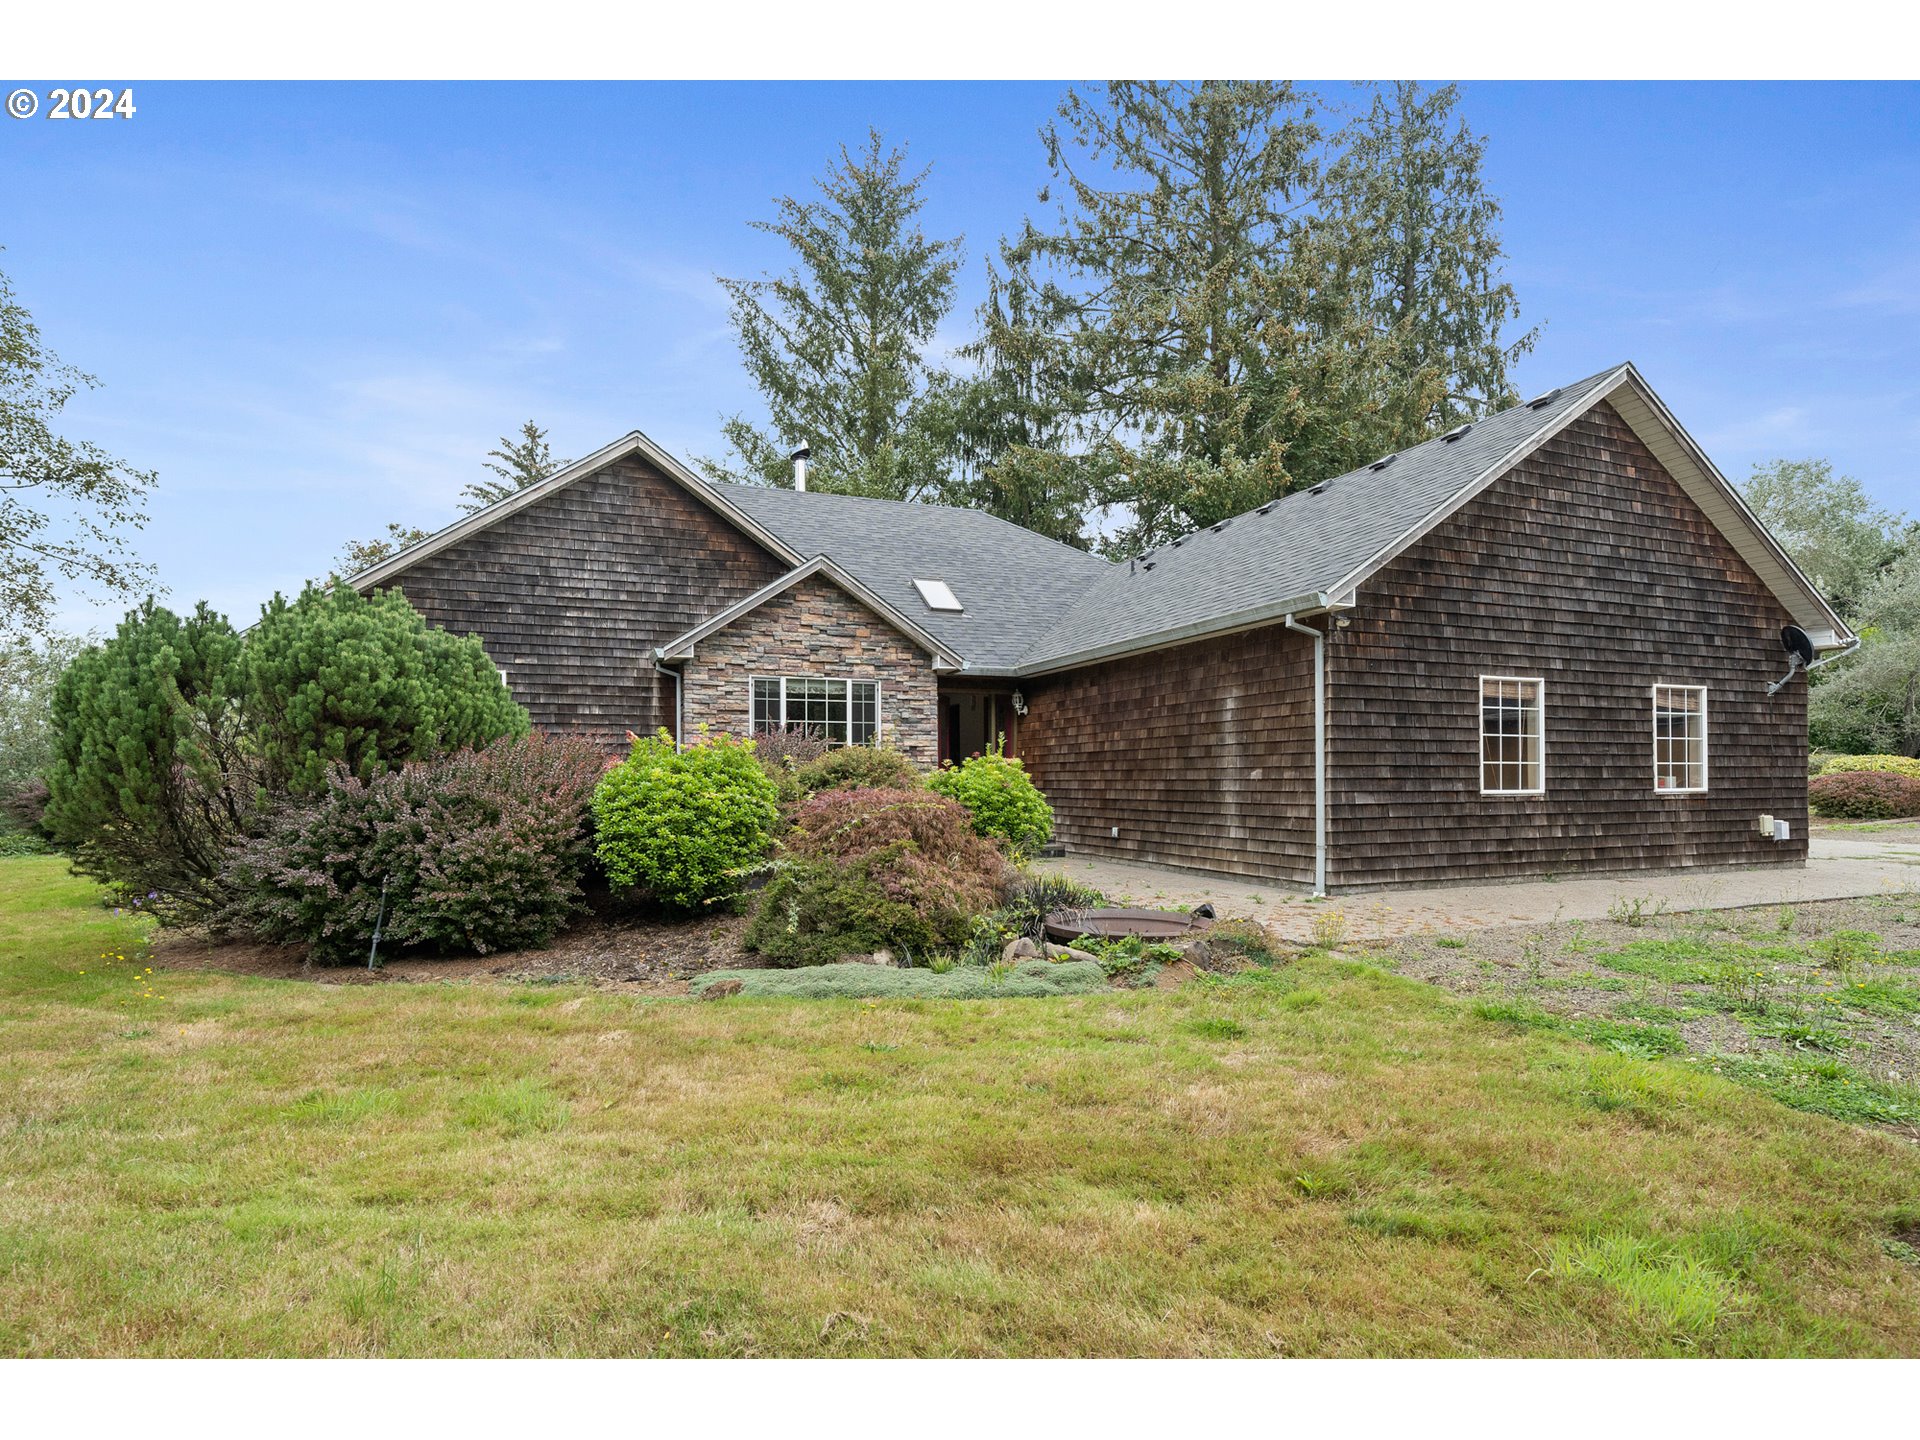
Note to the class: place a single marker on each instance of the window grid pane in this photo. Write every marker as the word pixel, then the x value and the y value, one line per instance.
pixel 1512 729
pixel 1679 737
pixel 866 712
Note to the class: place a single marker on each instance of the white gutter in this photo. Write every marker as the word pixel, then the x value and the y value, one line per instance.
pixel 1319 752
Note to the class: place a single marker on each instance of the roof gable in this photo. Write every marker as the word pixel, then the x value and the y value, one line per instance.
pixel 1315 549
pixel 681 647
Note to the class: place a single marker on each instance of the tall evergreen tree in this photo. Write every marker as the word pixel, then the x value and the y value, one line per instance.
pixel 1004 428
pixel 836 345
pixel 1416 237
pixel 1219 324
pixel 518 464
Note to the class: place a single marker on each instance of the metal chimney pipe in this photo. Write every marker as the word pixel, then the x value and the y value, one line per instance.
pixel 800 458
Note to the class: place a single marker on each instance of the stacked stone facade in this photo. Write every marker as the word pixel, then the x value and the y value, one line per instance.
pixel 814 629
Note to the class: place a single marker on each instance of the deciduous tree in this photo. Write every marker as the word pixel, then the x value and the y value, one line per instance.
pixel 66 506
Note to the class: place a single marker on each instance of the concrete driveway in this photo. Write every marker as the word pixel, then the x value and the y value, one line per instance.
pixel 1845 863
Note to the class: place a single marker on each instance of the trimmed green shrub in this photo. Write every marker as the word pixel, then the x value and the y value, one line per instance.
pixel 1864 795
pixel 364 682
pixel 1887 764
pixel 858 767
pixel 872 869
pixel 148 781
pixel 1004 802
pixel 684 826
pixel 1032 979
pixel 474 851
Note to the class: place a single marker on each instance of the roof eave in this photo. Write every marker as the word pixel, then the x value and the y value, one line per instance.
pixel 1317 603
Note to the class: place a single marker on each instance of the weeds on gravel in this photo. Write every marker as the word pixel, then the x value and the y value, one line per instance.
pixel 1636 910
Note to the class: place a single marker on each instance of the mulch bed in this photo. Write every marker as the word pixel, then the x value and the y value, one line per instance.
pixel 609 949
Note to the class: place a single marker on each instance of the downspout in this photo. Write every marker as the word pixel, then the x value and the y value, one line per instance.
pixel 1319 752
pixel 679 707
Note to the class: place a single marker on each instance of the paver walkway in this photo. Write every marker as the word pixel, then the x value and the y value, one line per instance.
pixel 1842 866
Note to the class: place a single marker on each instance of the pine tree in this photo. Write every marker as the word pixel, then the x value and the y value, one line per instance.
pixel 336 677
pixel 150 779
pixel 1417 239
pixel 836 345
pixel 1212 313
pixel 518 463
pixel 1003 426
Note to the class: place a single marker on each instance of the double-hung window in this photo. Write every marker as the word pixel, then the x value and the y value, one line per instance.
pixel 1513 735
pixel 840 712
pixel 1680 739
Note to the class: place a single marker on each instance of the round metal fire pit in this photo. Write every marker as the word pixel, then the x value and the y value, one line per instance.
pixel 1065 925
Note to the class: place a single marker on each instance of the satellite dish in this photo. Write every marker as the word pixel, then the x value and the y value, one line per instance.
pixel 1797 643
pixel 1799 647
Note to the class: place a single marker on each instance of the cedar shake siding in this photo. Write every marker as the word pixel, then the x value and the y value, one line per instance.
pixel 571 595
pixel 1585 565
pixel 1202 755
pixel 814 629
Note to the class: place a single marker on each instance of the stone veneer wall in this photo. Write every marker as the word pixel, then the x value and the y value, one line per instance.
pixel 815 629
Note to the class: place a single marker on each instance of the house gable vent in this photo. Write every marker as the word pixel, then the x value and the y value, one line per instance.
pixel 938 595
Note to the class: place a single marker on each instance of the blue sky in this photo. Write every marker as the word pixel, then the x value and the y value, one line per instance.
pixel 315 307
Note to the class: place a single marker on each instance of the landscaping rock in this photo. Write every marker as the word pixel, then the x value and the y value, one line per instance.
pixel 878 957
pixel 720 989
pixel 1068 952
pixel 1021 948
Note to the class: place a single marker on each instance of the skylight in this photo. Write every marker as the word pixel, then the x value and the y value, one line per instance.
pixel 938 595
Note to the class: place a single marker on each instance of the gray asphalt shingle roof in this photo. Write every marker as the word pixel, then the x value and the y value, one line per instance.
pixel 1032 602
pixel 1307 543
pixel 1013 583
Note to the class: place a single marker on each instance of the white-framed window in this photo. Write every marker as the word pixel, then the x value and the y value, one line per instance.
pixel 1680 739
pixel 841 712
pixel 1513 735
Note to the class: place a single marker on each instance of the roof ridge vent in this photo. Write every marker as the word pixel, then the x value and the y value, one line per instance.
pixel 1456 433
pixel 1319 489
pixel 1383 462
pixel 1264 509
pixel 1220 525
pixel 1546 399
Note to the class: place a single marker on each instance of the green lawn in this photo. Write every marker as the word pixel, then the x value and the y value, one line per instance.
pixel 1326 1159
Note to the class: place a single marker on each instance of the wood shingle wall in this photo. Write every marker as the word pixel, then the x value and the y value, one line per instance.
pixel 571 595
pixel 1586 565
pixel 1201 755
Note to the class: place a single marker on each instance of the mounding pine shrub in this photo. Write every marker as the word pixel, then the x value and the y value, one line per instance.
pixel 475 851
pixel 1864 795
pixel 150 778
pixel 1888 764
pixel 871 869
pixel 684 826
pixel 1000 796
pixel 335 677
pixel 858 767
